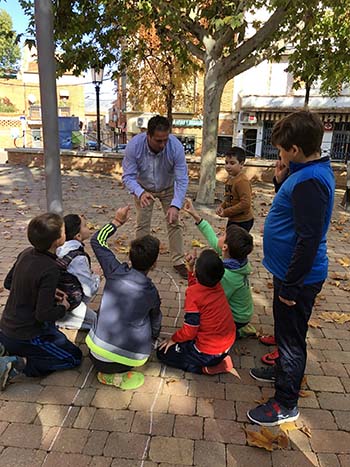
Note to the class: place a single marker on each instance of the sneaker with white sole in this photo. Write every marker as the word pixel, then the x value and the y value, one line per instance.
pixel 264 374
pixel 272 413
pixel 6 365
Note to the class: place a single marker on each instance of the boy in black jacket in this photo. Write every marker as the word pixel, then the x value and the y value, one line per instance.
pixel 27 327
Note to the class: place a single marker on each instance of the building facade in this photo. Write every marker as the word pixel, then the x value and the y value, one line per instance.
pixel 20 124
pixel 264 94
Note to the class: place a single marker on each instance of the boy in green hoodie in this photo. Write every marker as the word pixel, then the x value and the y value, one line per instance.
pixel 234 246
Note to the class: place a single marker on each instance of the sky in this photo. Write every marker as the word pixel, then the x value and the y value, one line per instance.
pixel 20 23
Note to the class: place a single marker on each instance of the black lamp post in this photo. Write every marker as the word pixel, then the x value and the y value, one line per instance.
pixel 97 78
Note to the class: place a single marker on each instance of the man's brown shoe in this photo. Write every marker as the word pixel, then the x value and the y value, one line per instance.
pixel 182 270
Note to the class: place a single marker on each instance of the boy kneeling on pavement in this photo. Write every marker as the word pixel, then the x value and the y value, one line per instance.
pixel 202 344
pixel 129 318
pixel 28 334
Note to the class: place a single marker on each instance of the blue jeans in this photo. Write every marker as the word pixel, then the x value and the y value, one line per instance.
pixel 51 351
pixel 185 356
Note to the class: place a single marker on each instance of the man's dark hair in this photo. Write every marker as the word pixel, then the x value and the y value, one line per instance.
pixel 158 123
pixel 239 242
pixel 237 152
pixel 303 129
pixel 209 268
pixel 144 252
pixel 43 230
pixel 72 223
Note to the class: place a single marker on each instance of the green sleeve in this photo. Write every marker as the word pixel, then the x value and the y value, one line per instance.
pixel 208 232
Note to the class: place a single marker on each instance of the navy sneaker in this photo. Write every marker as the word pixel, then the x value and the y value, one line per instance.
pixel 272 413
pixel 265 374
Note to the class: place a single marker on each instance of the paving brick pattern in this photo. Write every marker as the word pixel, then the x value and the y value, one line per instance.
pixel 196 420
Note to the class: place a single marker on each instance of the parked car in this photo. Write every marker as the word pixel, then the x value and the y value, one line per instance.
pixel 120 148
pixel 91 145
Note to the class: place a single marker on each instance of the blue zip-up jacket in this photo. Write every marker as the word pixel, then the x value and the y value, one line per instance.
pixel 129 316
pixel 295 245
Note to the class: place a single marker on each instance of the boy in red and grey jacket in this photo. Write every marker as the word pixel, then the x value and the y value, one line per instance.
pixel 209 331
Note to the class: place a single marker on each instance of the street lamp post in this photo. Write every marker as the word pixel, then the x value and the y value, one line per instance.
pixel 97 78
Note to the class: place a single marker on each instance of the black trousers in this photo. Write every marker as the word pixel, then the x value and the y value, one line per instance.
pixel 108 368
pixel 51 351
pixel 246 225
pixel 185 356
pixel 291 324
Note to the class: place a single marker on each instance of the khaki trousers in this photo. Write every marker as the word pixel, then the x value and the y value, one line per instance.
pixel 143 224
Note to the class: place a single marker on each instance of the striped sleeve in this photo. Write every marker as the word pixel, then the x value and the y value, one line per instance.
pixel 105 256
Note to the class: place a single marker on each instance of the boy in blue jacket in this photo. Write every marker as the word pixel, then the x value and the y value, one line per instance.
pixel 295 252
pixel 129 318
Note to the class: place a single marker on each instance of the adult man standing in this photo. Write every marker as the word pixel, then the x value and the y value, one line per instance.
pixel 154 166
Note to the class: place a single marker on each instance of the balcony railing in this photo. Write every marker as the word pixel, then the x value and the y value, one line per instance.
pixel 35 112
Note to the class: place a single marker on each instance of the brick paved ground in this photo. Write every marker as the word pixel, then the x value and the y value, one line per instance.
pixel 69 419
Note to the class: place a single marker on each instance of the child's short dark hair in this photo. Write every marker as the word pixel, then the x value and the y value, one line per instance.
pixel 239 242
pixel 209 268
pixel 237 152
pixel 158 123
pixel 72 224
pixel 43 230
pixel 303 129
pixel 144 252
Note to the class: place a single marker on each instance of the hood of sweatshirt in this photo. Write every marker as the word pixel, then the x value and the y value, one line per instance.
pixel 68 246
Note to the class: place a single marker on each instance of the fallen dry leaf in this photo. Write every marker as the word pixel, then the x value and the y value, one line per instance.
pixel 334 317
pixel 303 393
pixel 344 261
pixel 265 439
pixel 197 244
pixel 339 277
pixel 304 383
pixel 314 324
pixel 92 226
pixel 261 401
pixel 288 427
pixel 306 430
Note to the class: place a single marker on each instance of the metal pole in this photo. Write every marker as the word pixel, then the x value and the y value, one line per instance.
pixel 97 87
pixel 48 98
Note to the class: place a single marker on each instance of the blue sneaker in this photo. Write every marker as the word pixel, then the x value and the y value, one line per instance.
pixel 272 413
pixel 6 365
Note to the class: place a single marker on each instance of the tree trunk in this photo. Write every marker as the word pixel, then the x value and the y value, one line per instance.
pixel 170 96
pixel 307 95
pixel 214 84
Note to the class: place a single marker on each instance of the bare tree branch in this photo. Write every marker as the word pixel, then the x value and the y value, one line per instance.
pixel 244 50
pixel 223 40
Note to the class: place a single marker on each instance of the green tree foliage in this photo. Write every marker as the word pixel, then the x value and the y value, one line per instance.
pixel 321 51
pixel 9 50
pixel 227 37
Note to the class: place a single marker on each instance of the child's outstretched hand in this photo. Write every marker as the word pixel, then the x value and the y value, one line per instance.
pixel 189 208
pixel 122 215
pixel 190 260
